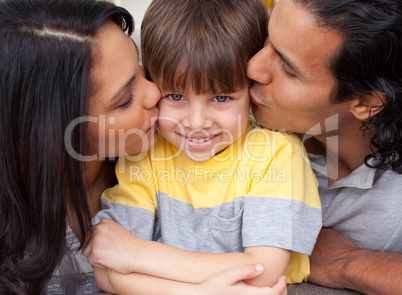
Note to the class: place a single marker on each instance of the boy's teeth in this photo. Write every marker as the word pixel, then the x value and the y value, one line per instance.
pixel 201 140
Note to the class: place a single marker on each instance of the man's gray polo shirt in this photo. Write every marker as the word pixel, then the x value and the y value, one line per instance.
pixel 365 206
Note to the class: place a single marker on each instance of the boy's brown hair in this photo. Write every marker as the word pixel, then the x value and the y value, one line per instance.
pixel 202 44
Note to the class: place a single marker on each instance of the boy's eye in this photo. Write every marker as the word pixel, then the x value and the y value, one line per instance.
pixel 176 97
pixel 221 98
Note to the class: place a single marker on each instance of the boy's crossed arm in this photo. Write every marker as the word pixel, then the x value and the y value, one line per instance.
pixel 195 267
pixel 116 248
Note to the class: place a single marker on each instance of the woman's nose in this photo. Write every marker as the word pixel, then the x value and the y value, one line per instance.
pixel 152 96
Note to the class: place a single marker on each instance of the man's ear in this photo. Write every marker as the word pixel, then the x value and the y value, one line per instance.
pixel 368 105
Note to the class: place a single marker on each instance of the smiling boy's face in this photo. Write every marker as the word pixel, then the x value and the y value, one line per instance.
pixel 202 125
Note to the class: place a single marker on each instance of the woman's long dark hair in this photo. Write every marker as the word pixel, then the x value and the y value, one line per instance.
pixel 46 52
pixel 369 60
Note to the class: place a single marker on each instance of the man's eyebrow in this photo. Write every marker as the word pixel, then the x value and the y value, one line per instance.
pixel 287 62
pixel 124 86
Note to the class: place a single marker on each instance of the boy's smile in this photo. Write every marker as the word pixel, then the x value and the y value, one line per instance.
pixel 199 141
pixel 202 125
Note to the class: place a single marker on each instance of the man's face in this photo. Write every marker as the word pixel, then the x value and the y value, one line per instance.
pixel 293 82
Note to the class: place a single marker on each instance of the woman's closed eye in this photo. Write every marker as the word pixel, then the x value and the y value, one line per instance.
pixel 128 102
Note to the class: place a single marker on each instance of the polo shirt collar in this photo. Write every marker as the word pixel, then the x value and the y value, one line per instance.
pixel 361 178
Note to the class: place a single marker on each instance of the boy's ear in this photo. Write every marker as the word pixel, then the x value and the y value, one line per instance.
pixel 368 105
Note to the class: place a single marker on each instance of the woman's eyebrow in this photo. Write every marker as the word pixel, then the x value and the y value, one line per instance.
pixel 124 86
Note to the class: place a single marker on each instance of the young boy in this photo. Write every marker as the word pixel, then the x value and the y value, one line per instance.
pixel 220 191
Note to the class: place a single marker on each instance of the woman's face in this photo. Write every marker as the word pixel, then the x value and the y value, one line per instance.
pixel 123 106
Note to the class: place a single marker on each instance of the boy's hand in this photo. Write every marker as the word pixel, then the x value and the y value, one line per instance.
pixel 231 282
pixel 111 246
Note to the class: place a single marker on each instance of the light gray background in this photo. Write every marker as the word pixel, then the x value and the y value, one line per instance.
pixel 137 9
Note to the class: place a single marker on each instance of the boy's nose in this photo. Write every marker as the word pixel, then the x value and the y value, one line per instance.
pixel 198 119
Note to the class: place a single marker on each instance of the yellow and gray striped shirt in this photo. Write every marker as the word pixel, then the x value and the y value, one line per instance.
pixel 260 191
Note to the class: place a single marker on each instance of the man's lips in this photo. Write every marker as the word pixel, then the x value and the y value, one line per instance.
pixel 253 97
